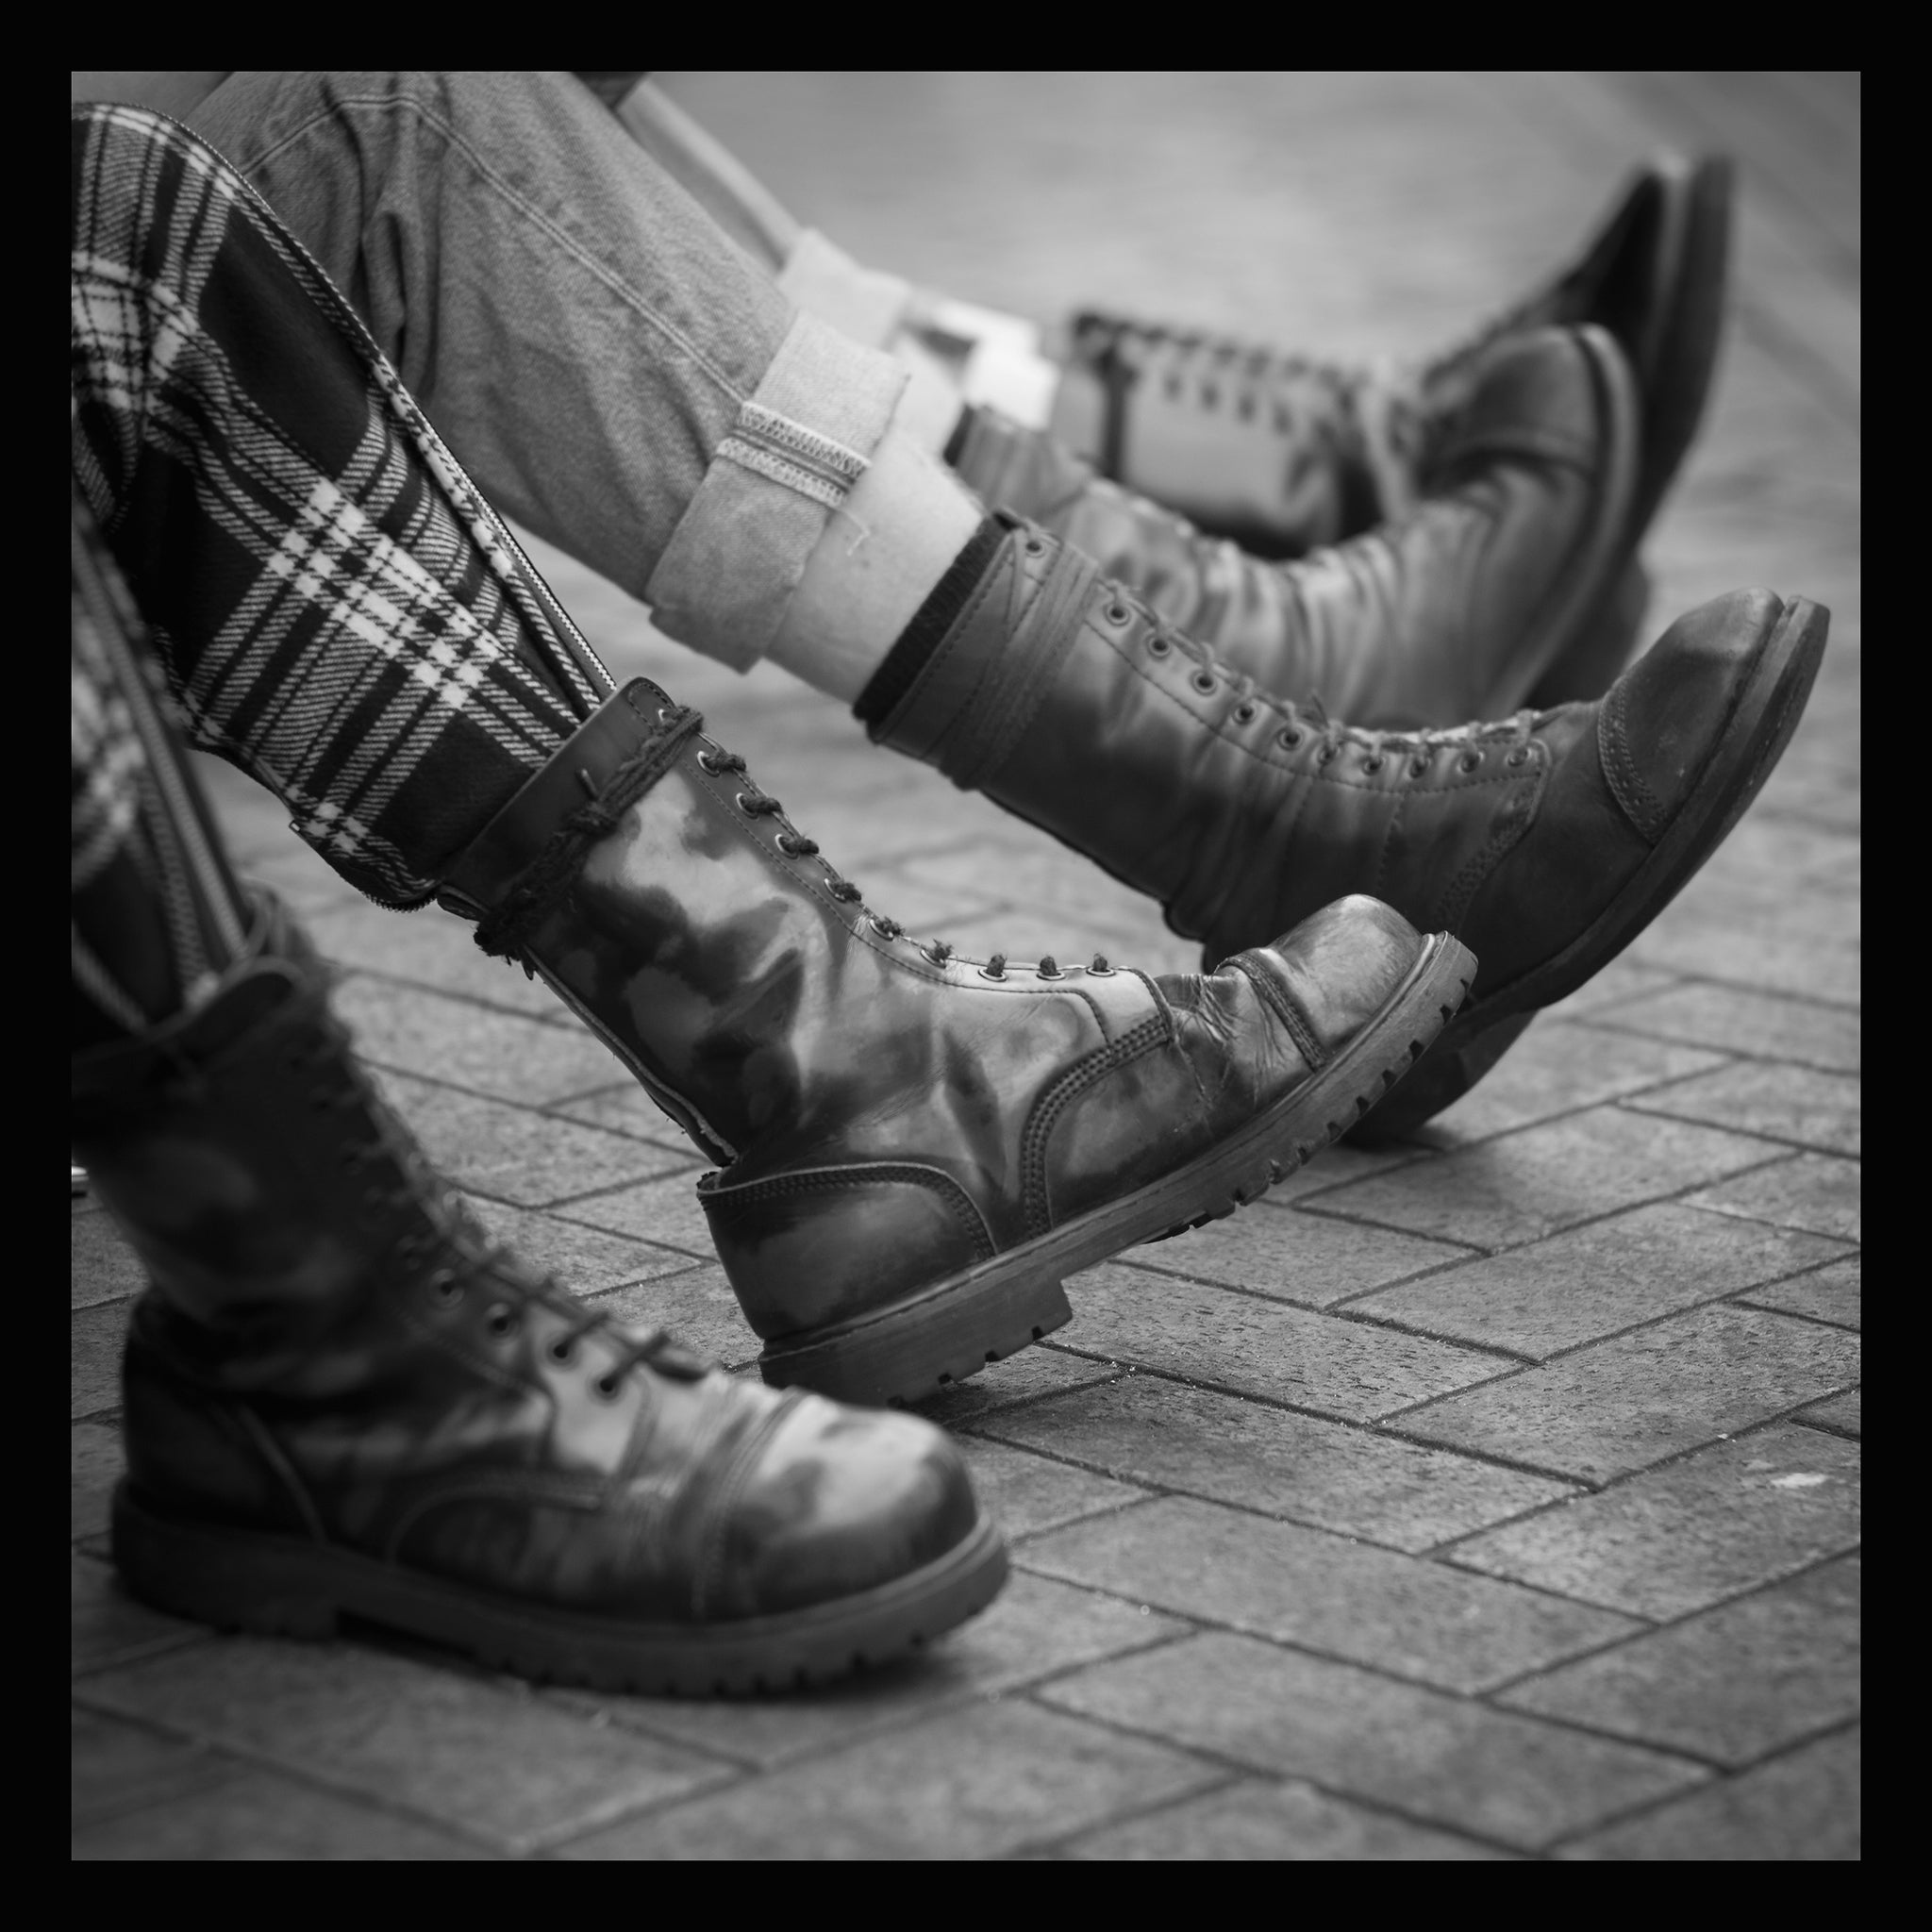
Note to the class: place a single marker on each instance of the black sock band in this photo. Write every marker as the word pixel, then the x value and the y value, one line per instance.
pixel 933 620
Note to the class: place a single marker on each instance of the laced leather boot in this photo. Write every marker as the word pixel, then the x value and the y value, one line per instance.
pixel 341 1400
pixel 1283 454
pixel 1455 611
pixel 916 1148
pixel 1546 841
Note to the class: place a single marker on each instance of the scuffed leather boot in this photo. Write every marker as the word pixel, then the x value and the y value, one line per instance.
pixel 916 1148
pixel 1546 841
pixel 1456 611
pixel 341 1400
pixel 1284 453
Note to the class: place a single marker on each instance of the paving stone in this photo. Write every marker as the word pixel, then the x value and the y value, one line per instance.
pixel 496 1763
pixel 97 1463
pixel 118 1767
pixel 1255 1347
pixel 1022 1377
pixel 969 1783
pixel 1527 1185
pixel 512 1155
pixel 1253 1820
pixel 1508 1778
pixel 586 1259
pixel 1782 1103
pixel 266 1817
pixel 1807 1191
pixel 1034 1628
pixel 1803 1806
pixel 1731 1518
pixel 1734 1684
pixel 1734 1020
pixel 94 1359
pixel 1840 1413
pixel 1831 1293
pixel 480 1049
pixel 1800 945
pixel 101 1266
pixel 626 1108
pixel 1306 1258
pixel 430 949
pixel 301 879
pixel 1629 1402
pixel 1558 1069
pixel 1150 1430
pixel 1025 1494
pixel 1593 1280
pixel 695 1306
pixel 105 1626
pixel 1621 980
pixel 1303 1585
pixel 1336 1166
pixel 664 1210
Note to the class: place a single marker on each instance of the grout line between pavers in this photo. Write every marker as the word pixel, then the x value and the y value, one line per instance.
pixel 1643 1808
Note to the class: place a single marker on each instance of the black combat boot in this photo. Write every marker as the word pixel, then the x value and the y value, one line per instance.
pixel 914 1149
pixel 344 1401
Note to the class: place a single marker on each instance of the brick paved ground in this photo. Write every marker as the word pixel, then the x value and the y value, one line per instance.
pixel 1489 1498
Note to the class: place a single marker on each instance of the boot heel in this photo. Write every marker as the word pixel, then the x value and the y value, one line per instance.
pixel 921 1348
pixel 273 1586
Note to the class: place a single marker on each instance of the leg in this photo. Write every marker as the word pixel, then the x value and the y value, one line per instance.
pixel 616 373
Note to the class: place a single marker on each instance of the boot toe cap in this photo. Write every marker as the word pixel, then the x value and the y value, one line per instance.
pixel 1340 966
pixel 841 1501
pixel 1666 717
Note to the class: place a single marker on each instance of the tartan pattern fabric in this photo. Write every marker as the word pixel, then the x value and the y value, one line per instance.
pixel 336 609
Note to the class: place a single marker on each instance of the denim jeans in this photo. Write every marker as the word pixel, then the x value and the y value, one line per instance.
pixel 614 370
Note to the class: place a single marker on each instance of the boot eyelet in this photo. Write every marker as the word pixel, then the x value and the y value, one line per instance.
pixel 886 928
pixel 1328 754
pixel 502 1322
pixel 444 1287
pixel 1158 647
pixel 787 844
pixel 1246 711
pixel 563 1353
pixel 1288 740
pixel 1049 969
pixel 1418 768
pixel 604 1389
pixel 1034 547
pixel 666 715
pixel 746 806
pixel 1520 756
pixel 1206 683
pixel 1100 968
pixel 987 973
pixel 1118 614
pixel 1470 762
pixel 706 765
pixel 1375 763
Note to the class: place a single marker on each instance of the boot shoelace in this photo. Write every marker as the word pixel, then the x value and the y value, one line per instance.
pixel 1375 418
pixel 1309 721
pixel 756 803
pixel 337 1081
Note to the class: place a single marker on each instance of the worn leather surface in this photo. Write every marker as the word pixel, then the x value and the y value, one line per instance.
pixel 887 1116
pixel 1242 814
pixel 1443 616
pixel 331 1348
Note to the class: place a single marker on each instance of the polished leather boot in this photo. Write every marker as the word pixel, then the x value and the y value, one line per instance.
pixel 914 1148
pixel 341 1400
pixel 1546 841
pixel 1284 453
pixel 1456 611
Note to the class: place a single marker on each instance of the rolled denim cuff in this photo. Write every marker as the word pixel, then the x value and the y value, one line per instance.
pixel 821 278
pixel 785 465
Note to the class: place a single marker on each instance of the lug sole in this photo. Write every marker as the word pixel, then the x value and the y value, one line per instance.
pixel 919 1347
pixel 1768 712
pixel 285 1585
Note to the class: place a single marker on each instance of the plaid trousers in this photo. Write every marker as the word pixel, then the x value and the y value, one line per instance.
pixel 335 609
